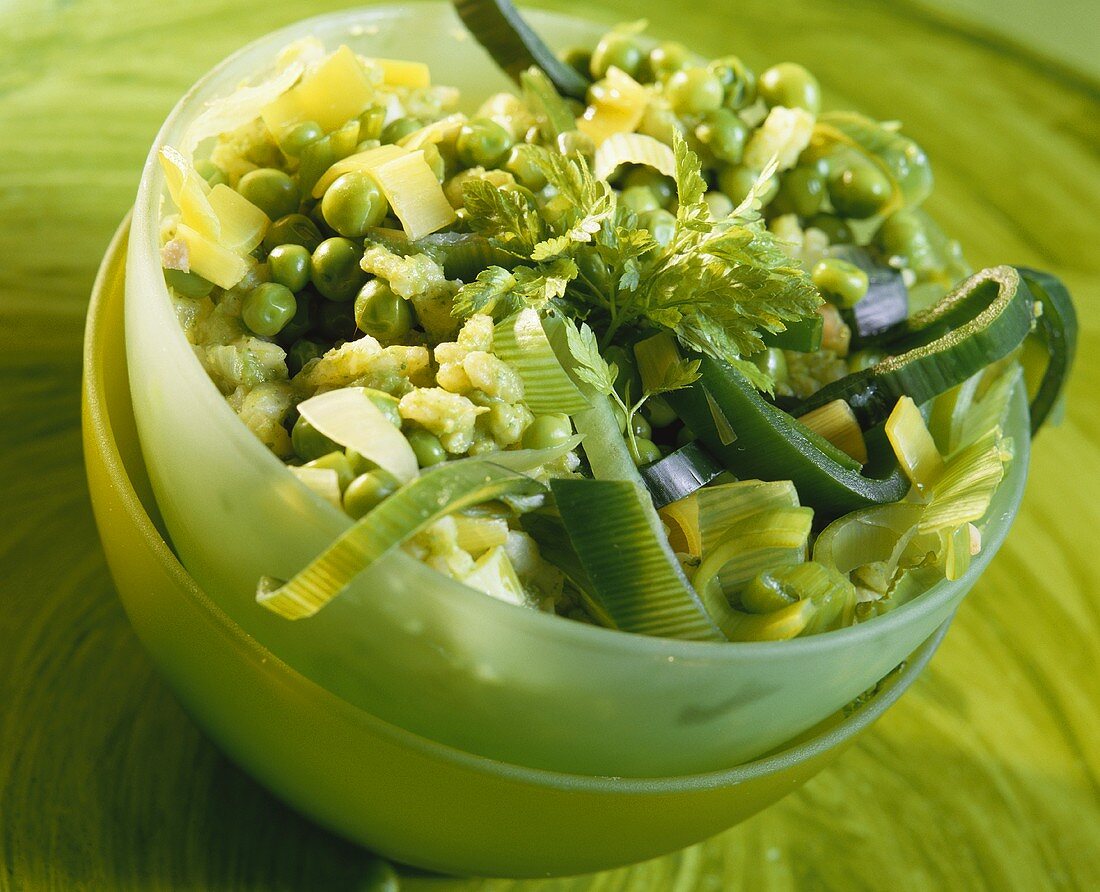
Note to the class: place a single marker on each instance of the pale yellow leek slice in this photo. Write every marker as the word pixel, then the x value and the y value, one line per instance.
pixel 323 481
pixel 330 94
pixel 190 192
pixel 403 73
pixel 478 534
pixel 682 520
pixel 368 160
pixel 415 195
pixel 494 575
pixel 633 148
pixel 243 225
pixel 913 445
pixel 191 251
pixel 436 132
pixel 350 418
pixel 619 103
pixel 836 422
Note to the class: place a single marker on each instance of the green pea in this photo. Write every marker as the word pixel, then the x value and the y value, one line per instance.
pixel 386 403
pixel 522 165
pixel 547 431
pixel 483 143
pixel 694 91
pixel 381 313
pixel 659 412
pixel 669 57
pixel 790 85
pixel 661 225
pixel 335 269
pixel 289 265
pixel 835 228
pixel 859 191
pixel 272 191
pixel 187 284
pixel 300 136
pixel 579 59
pixel 309 443
pixel 719 204
pixel 656 182
pixel 367 491
pixel 645 452
pixel 684 436
pixel 354 203
pixel 336 321
pixel 293 229
pixel 801 192
pixel 338 462
pixel 302 352
pixel 737 79
pixel 397 130
pixel 429 451
pixel 572 142
pixel 773 362
pixel 268 308
pixel 639 199
pixel 640 427
pixel 303 321
pixel 619 50
pixel 210 172
pixel 736 181
pixel 839 281
pixel 724 134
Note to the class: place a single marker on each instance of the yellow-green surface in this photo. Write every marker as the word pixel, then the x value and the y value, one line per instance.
pixel 988 772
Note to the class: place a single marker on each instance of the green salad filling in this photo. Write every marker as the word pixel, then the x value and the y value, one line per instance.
pixel 653 342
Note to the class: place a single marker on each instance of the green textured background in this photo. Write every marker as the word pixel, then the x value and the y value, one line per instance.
pixel 988 772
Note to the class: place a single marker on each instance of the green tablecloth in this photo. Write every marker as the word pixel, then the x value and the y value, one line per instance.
pixel 986 775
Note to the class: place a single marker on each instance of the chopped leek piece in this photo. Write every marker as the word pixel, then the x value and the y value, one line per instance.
pixel 675 476
pixel 779 625
pixel 655 356
pixel 444 490
pixel 349 417
pixel 436 132
pixel 636 581
pixel 633 148
pixel 964 489
pixel 913 445
pixel 682 520
pixel 323 481
pixel 878 534
pixel 478 534
pixel 368 160
pixel 836 422
pixel 402 73
pixel 190 192
pixel 723 506
pixel 956 551
pixel 243 225
pixel 494 575
pixel 330 94
pixel 618 105
pixel 833 596
pixel 193 252
pixel 521 341
pixel 415 195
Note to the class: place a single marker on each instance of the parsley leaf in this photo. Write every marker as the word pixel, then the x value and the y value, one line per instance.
pixel 500 292
pixel 506 217
pixel 589 366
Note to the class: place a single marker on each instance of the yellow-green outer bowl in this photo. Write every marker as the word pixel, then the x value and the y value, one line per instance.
pixel 420 650
pixel 406 797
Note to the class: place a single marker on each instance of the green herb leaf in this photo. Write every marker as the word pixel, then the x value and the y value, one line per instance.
pixel 506 217
pixel 589 366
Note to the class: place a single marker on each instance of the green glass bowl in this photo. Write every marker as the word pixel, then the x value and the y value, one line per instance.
pixel 409 798
pixel 419 650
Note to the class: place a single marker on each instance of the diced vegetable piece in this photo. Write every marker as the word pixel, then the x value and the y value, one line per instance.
pixel 368 160
pixel 836 422
pixel 633 148
pixel 722 507
pixel 190 192
pixel 872 535
pixel 913 445
pixel 444 490
pixel 350 418
pixel 323 481
pixel 205 257
pixel 682 520
pixel 403 73
pixel 243 225
pixel 522 343
pixel 833 596
pixel 963 491
pixel 333 92
pixel 678 475
pixel 619 103
pixel 957 551
pixel 636 582
pixel 415 195
pixel 478 534
pixel 495 575
pixel 436 132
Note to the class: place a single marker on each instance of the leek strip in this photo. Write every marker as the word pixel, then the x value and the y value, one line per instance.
pixel 982 320
pixel 833 596
pixel 682 519
pixel 553 115
pixel 965 488
pixel 522 343
pixel 779 625
pixel 655 356
pixel 1057 329
pixel 554 544
pixel 415 195
pixel 478 534
pixel 367 161
pixel 956 551
pixel 679 474
pixel 494 575
pixel 323 481
pixel 721 507
pixel 913 445
pixel 879 534
pixel 633 148
pixel 636 580
pixel 514 46
pixel 436 132
pixel 242 224
pixel 190 192
pixel 444 490
pixel 334 91
pixel 836 422
pixel 205 257
pixel 349 417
